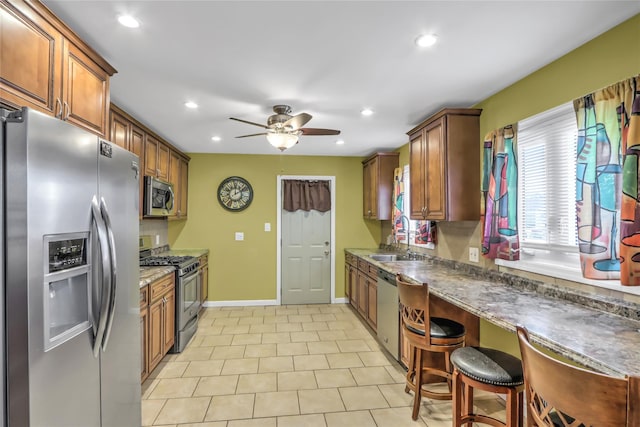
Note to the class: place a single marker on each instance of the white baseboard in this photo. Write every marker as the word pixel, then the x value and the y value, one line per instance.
pixel 256 302
pixel 240 303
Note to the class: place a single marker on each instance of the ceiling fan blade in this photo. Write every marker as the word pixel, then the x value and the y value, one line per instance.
pixel 314 131
pixel 250 123
pixel 296 122
pixel 253 134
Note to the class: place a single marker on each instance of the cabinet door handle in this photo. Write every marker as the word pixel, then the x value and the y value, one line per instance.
pixel 58 112
pixel 68 111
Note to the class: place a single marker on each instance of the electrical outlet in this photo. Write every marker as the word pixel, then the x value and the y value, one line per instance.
pixel 239 235
pixel 267 226
pixel 474 255
pixel 157 239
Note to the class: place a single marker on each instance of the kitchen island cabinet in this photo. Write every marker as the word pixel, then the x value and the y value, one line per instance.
pixel 377 185
pixel 444 166
pixel 52 70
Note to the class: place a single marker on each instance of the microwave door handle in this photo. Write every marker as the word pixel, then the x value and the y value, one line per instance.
pixel 171 200
pixel 113 271
pixel 105 257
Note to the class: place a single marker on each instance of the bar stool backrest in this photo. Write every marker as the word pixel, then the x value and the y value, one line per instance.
pixel 414 309
pixel 575 394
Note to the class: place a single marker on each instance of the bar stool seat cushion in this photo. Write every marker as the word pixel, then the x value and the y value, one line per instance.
pixel 489 366
pixel 442 328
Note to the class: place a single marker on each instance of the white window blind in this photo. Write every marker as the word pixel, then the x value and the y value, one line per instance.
pixel 547 180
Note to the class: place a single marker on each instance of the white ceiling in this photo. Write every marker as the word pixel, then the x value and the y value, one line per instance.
pixel 326 58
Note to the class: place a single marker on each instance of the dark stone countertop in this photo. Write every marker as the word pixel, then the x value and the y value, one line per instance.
pixel 594 332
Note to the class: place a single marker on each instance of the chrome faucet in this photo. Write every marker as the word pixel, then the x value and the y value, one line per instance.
pixel 402 217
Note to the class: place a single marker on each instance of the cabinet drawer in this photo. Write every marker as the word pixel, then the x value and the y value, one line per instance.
pixel 351 260
pixel 363 265
pixel 144 297
pixel 161 286
pixel 372 270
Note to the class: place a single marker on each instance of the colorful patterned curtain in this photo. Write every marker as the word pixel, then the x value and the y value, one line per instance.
pixel 499 204
pixel 425 232
pixel 607 200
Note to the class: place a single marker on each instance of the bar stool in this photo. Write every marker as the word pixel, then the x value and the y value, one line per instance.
pixel 444 336
pixel 490 370
pixel 559 394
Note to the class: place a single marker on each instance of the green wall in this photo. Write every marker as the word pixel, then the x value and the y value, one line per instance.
pixel 246 270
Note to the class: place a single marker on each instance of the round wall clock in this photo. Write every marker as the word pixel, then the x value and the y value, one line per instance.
pixel 235 193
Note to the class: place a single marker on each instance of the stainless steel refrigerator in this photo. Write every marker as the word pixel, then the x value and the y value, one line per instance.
pixel 72 346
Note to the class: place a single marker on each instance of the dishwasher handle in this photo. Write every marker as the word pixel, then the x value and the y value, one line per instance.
pixel 387 277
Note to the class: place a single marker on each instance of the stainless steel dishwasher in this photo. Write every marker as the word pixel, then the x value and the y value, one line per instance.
pixel 388 313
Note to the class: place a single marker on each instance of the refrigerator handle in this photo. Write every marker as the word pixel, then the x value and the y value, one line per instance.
pixel 113 271
pixel 106 275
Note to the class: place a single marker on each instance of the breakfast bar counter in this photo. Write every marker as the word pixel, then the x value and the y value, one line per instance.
pixel 594 333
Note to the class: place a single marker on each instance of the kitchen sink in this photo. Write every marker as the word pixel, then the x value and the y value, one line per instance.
pixel 391 257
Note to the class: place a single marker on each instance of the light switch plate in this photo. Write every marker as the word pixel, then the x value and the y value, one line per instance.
pixel 474 255
pixel 239 235
pixel 267 226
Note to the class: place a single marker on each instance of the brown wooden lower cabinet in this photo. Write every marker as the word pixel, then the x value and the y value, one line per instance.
pixel 441 308
pixel 362 283
pixel 204 280
pixel 158 322
pixel 144 332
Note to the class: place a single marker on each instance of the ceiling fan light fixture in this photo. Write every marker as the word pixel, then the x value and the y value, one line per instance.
pixel 216 138
pixel 282 141
pixel 366 112
pixel 340 142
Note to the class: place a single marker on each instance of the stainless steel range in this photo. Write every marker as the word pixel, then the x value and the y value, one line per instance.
pixel 187 293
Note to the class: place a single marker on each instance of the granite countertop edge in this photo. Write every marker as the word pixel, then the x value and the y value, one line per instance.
pixel 542 308
pixel 151 274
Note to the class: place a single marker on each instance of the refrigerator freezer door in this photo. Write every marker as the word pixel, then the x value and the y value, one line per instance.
pixel 120 360
pixel 51 171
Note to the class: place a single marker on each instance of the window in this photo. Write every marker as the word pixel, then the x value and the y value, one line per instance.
pixel 546 180
pixel 406 211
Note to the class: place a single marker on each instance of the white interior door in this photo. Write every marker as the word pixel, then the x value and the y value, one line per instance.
pixel 306 257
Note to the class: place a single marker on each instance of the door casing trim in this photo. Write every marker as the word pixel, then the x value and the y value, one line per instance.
pixel 332 180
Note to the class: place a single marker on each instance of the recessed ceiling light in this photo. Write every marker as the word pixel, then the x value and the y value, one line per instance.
pixel 216 139
pixel 340 142
pixel 366 112
pixel 190 104
pixel 426 40
pixel 128 21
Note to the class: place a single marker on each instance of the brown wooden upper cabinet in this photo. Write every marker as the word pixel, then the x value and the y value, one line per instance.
pixel 179 176
pixel 126 134
pixel 444 166
pixel 377 187
pixel 156 158
pixel 48 68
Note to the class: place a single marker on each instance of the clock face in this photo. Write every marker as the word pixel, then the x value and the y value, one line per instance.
pixel 235 193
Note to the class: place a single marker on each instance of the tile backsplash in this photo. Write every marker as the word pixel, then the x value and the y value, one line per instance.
pixel 157 229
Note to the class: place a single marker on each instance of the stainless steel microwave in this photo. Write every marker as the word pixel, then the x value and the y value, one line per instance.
pixel 158 197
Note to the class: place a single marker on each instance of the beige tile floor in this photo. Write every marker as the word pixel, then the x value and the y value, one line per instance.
pixel 306 365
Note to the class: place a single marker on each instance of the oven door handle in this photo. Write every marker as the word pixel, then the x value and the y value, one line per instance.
pixel 105 292
pixel 113 271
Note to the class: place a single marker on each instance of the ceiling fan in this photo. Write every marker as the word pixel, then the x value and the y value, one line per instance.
pixel 283 129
